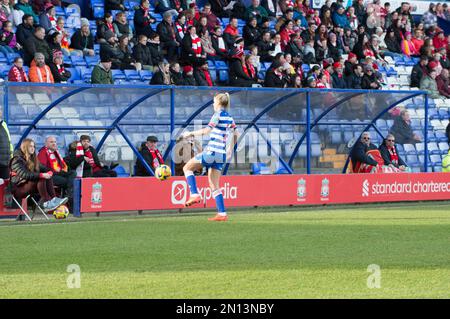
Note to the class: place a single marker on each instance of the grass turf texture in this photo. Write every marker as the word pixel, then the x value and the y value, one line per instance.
pixel 283 253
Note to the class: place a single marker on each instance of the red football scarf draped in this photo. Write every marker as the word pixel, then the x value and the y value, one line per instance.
pixel 393 154
pixel 91 161
pixel 181 30
pixel 79 153
pixel 146 22
pixel 208 77
pixel 57 163
pixel 156 158
pixel 197 46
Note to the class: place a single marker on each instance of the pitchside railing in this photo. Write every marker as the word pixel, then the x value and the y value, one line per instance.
pixel 290 130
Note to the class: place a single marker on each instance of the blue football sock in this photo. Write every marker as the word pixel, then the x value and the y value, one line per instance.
pixel 219 202
pixel 190 178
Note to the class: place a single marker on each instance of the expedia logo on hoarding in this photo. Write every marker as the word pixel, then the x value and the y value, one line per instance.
pixel 180 190
pixel 96 195
pixel 365 188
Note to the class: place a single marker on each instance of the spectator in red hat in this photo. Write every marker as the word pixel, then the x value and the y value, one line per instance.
pixel 338 76
pixel 188 75
pixel 352 60
pixel 59 72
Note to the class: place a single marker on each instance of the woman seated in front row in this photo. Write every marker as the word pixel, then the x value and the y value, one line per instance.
pixel 29 177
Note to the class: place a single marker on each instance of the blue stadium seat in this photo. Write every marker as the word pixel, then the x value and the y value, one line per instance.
pixel 221 65
pixel 420 148
pixel 259 169
pixel 4 70
pixel 145 75
pixel 3 59
pixel 132 75
pixel 409 149
pixel 74 74
pixel 78 61
pixel 121 172
pixel 223 76
pixel 436 160
pixel 412 160
pixel 433 149
pixel 443 146
pixel 118 75
pixel 92 61
pixel 336 137
pixel 99 12
pixel 11 56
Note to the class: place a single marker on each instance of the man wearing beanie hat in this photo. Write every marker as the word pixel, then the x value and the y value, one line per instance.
pixel 338 76
pixel 188 76
pixel 59 72
pixel 348 65
pixel 82 41
pixel 40 72
pixel 201 73
pixel 101 74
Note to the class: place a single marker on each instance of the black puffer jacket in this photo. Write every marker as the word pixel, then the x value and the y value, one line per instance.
pixel 73 161
pixel 19 171
pixel 5 144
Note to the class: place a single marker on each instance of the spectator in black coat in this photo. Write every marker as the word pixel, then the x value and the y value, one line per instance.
pixel 37 43
pixel 418 71
pixel 114 5
pixel 143 19
pixel 240 73
pixel 92 166
pixel 402 129
pixel 265 46
pixel 338 76
pixel 151 155
pixel 392 43
pixel 82 40
pixel 202 75
pixel 370 80
pixel 251 33
pixel 188 76
pixel 162 77
pixel 176 76
pixel 59 72
pixel 191 49
pixel 142 54
pixel 155 49
pixel 111 49
pixel 359 155
pixel 275 76
pixel 295 46
pixel 167 37
pixel 25 30
pixel 105 29
pixel 355 79
pixel 219 45
pixel 389 152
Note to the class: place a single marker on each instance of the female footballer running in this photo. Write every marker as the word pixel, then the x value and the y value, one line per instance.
pixel 214 155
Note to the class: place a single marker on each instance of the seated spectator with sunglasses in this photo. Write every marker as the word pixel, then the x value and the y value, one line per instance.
pixel 362 161
pixel 390 154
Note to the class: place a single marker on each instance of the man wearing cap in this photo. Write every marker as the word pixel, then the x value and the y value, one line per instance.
pixel 101 74
pixel 39 72
pixel 338 76
pixel 151 155
pixel 275 76
pixel 188 76
pixel 82 41
pixel 418 71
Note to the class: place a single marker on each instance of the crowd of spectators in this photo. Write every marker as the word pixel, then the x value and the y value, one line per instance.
pixel 346 46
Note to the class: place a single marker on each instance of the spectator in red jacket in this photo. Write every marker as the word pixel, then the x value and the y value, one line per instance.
pixel 17 73
pixel 50 157
pixel 439 40
pixel 231 32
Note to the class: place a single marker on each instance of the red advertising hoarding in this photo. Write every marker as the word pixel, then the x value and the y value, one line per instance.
pixel 148 193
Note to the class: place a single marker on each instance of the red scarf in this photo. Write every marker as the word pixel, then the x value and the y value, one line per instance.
pixel 208 77
pixel 181 30
pixel 60 68
pixel 156 158
pixel 17 75
pixel 95 167
pixel 249 70
pixel 57 163
pixel 146 22
pixel 393 154
pixel 110 27
pixel 197 46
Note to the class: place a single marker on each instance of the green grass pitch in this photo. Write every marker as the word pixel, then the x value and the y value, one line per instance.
pixel 275 253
